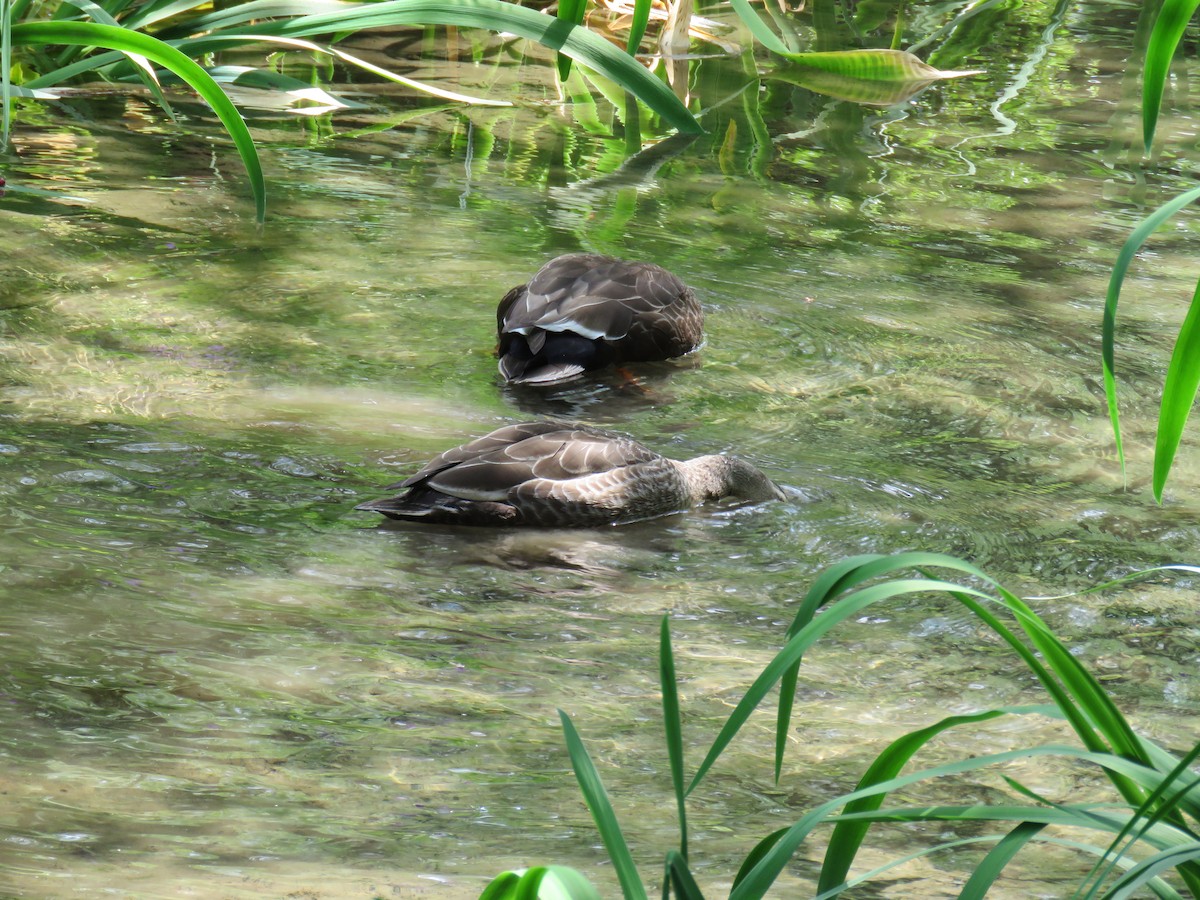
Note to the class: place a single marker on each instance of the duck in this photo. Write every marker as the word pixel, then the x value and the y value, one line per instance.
pixel 584 311
pixel 554 474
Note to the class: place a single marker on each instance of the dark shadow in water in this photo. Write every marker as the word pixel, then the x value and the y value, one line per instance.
pixel 607 395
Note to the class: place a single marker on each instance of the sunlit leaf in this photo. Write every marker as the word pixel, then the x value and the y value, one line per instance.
pixel 986 873
pixel 603 815
pixel 1173 18
pixel 673 728
pixel 1179 394
pixel 1133 243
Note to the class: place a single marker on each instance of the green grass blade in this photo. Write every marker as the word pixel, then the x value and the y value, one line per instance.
pixel 673 726
pixel 1172 19
pixel 760 850
pixel 794 650
pixel 540 883
pixel 680 879
pixel 1139 875
pixel 989 869
pixel 577 42
pixel 1179 393
pixel 848 836
pixel 6 93
pixel 835 580
pixel 603 815
pixel 144 70
pixel 758 27
pixel 114 38
pixel 1157 806
pixel 1133 243
pixel 570 11
pixel 760 878
pixel 637 27
pixel 502 887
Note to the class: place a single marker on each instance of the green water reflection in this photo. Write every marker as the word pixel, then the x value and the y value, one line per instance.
pixel 220 680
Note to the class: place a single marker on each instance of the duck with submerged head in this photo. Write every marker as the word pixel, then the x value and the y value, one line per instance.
pixel 559 475
pixel 583 311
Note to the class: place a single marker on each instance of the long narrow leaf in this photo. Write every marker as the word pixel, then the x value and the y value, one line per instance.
pixel 114 38
pixel 6 93
pixel 602 812
pixel 759 879
pixel 1168 30
pixel 679 878
pixel 848 836
pixel 1132 244
pixel 757 26
pixel 575 41
pixel 797 646
pixel 1149 868
pixel 571 12
pixel 998 857
pixel 637 26
pixel 673 727
pixel 1179 393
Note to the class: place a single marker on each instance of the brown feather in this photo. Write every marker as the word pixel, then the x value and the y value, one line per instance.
pixel 547 473
pixel 630 311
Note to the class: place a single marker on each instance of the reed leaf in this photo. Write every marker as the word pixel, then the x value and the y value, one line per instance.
pixel 1133 243
pixel 986 873
pixel 1141 874
pixel 1173 18
pixel 603 815
pixel 125 41
pixel 571 12
pixel 762 33
pixel 759 879
pixel 577 42
pixel 6 87
pixel 637 26
pixel 794 650
pixel 673 728
pixel 895 66
pixel 1179 394
pixel 848 836
pixel 679 878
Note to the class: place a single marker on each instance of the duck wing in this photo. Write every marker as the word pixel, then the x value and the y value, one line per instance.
pixel 598 297
pixel 541 473
pixel 493 466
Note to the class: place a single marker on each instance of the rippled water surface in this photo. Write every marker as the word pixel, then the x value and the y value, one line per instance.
pixel 219 680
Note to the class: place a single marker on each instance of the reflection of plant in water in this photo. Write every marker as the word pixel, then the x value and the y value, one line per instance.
pixel 175 37
pixel 1156 819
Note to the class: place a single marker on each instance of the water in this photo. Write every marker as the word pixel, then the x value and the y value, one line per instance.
pixel 222 681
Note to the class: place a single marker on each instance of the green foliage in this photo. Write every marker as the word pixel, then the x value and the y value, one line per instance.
pixel 540 883
pixel 1183 373
pixel 1160 810
pixel 90 34
pixel 194 31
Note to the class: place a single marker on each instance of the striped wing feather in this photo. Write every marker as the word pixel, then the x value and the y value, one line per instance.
pixel 641 307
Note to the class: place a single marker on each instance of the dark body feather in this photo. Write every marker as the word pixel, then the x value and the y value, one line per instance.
pixel 551 474
pixel 583 311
